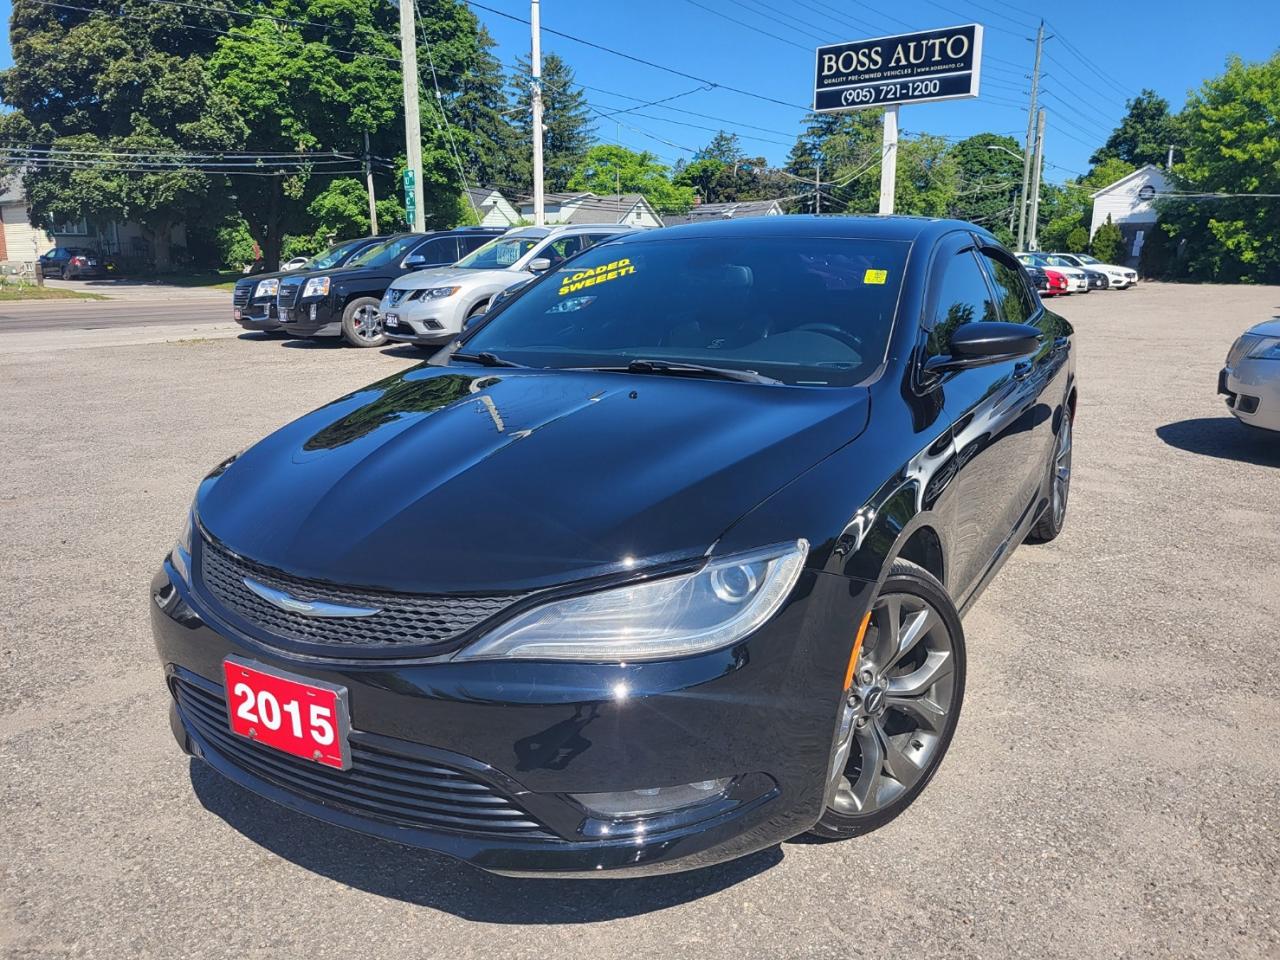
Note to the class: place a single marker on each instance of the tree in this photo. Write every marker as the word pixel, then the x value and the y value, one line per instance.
pixel 989 174
pixel 492 152
pixel 130 94
pixel 926 182
pixel 566 120
pixel 609 169
pixel 1232 127
pixel 724 147
pixel 847 145
pixel 1144 135
pixel 1108 243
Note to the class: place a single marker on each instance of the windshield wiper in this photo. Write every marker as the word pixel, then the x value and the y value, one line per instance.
pixel 484 358
pixel 663 368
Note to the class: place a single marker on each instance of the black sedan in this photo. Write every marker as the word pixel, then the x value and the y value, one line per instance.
pixel 72 263
pixel 661 563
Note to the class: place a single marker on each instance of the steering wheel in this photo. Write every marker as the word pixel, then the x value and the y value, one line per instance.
pixel 834 331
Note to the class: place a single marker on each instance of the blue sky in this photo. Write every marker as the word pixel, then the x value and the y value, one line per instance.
pixel 1101 53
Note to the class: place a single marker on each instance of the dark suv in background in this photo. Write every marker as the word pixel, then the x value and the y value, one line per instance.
pixel 344 302
pixel 253 304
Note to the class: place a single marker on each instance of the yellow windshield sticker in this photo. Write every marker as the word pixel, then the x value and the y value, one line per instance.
pixel 596 275
pixel 875 276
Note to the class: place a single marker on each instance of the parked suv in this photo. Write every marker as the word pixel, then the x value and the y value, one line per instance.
pixel 344 303
pixel 72 263
pixel 429 307
pixel 253 303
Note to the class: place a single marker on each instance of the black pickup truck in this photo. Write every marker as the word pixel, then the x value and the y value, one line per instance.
pixel 344 302
pixel 253 303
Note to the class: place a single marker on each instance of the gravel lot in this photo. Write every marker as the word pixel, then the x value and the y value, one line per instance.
pixel 1113 789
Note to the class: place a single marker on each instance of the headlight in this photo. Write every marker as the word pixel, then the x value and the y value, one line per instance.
pixel 316 287
pixel 671 617
pixel 180 555
pixel 1268 348
pixel 267 288
pixel 439 293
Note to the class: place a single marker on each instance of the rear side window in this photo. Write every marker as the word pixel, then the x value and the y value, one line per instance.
pixel 441 250
pixel 468 242
pixel 1016 302
pixel 963 297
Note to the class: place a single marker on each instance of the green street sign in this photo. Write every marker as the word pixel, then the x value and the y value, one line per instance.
pixel 410 207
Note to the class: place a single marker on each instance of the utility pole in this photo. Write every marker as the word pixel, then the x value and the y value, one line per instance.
pixel 368 179
pixel 817 187
pixel 412 121
pixel 1026 153
pixel 535 60
pixel 889 159
pixel 1033 227
pixel 1168 165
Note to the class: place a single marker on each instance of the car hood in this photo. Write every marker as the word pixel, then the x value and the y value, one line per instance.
pixel 445 479
pixel 454 276
pixel 1268 328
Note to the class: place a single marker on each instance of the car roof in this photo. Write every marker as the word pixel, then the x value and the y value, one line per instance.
pixel 900 228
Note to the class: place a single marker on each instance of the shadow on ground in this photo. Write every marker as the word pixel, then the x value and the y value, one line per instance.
pixel 1224 438
pixel 431 880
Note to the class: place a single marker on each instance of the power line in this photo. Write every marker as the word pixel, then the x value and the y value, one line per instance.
pixel 435 82
pixel 641 60
pixel 743 23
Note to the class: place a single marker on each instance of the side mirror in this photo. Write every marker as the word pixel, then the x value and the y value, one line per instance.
pixel 980 344
pixel 539 265
pixel 415 261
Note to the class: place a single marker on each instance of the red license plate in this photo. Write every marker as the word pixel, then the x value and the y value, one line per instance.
pixel 307 718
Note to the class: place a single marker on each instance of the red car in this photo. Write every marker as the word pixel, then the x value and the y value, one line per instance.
pixel 1057 284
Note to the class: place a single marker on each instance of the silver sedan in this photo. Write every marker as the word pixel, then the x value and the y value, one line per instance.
pixel 1251 379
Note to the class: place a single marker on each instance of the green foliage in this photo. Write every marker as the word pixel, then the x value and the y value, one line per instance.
pixel 608 169
pixel 492 153
pixel 989 169
pixel 1108 243
pixel 1232 127
pixel 1144 134
pixel 847 146
pixel 567 127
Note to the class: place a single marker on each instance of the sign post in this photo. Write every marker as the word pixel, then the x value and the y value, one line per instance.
pixel 410 199
pixel 943 64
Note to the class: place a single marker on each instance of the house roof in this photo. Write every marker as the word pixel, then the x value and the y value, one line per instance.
pixel 725 211
pixel 11 190
pixel 1143 172
pixel 589 208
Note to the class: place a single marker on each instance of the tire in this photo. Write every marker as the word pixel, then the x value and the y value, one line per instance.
pixel 63 274
pixel 912 727
pixel 361 325
pixel 1054 517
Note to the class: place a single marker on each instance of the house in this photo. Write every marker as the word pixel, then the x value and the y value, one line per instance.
pixel 21 241
pixel 492 208
pixel 629 208
pixel 1130 203
pixel 704 212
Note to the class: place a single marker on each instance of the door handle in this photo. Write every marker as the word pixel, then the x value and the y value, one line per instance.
pixel 1022 369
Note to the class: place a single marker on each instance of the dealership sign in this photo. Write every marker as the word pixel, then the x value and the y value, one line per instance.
pixel 909 68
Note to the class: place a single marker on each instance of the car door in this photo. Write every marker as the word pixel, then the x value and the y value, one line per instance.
pixel 1040 373
pixel 989 408
pixel 436 252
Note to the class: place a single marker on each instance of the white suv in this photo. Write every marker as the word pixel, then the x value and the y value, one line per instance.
pixel 429 307
pixel 1120 278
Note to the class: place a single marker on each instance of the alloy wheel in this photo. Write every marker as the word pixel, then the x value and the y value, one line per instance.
pixel 367 323
pixel 893 722
pixel 1062 471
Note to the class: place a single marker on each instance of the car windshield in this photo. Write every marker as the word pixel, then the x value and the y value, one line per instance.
pixel 811 310
pixel 498 254
pixel 1087 259
pixel 334 255
pixel 1056 262
pixel 389 251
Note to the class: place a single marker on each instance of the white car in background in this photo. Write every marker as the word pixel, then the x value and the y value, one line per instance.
pixel 1251 378
pixel 1077 279
pixel 1121 278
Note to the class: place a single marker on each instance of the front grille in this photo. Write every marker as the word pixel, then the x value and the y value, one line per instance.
pixel 288 292
pixel 406 622
pixel 394 296
pixel 240 296
pixel 396 787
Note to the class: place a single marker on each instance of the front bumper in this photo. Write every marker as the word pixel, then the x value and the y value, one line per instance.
pixel 762 712
pixel 312 318
pixel 1252 391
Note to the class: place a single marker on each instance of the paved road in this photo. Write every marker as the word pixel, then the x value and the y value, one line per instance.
pixel 1113 789
pixel 180 306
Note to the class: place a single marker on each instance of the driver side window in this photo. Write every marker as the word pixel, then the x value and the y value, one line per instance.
pixel 963 297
